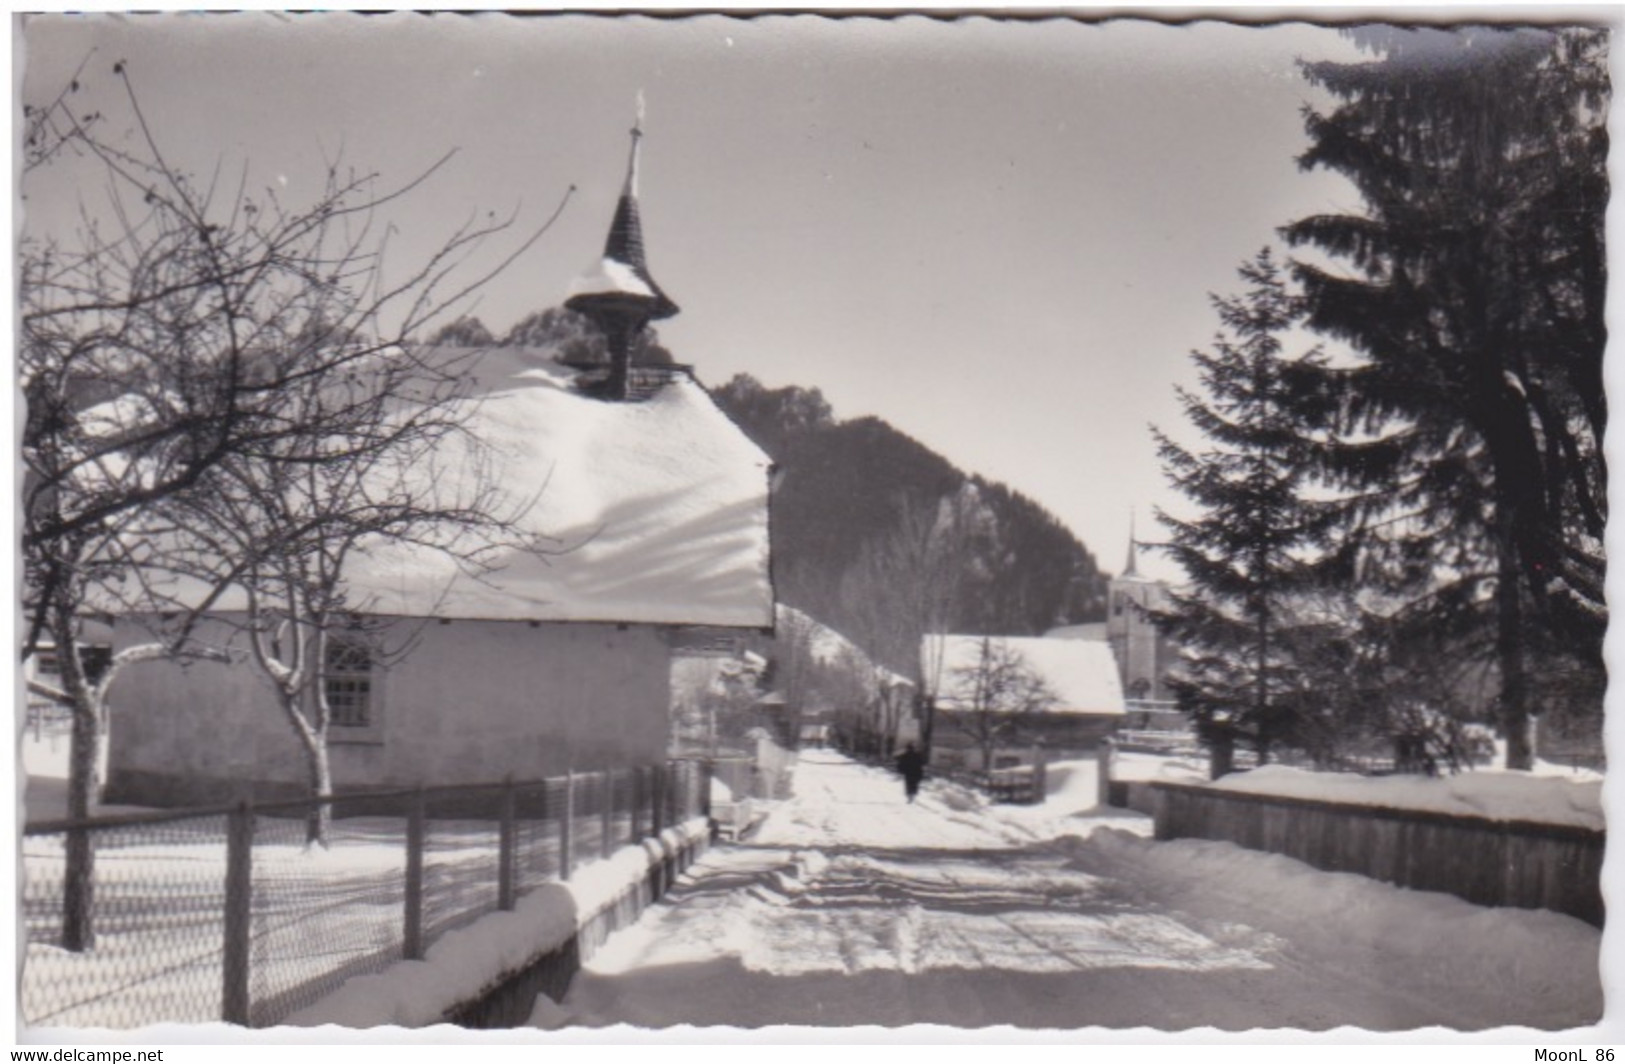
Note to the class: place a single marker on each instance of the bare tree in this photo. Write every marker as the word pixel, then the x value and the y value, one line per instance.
pixel 921 569
pixel 794 659
pixel 990 696
pixel 389 462
pixel 156 342
pixel 847 683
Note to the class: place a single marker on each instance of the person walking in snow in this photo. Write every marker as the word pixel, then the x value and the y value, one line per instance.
pixel 911 765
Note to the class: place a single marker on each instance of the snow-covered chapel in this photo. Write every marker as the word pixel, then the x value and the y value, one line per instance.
pixel 656 508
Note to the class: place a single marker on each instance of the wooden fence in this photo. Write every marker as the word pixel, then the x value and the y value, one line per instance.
pixel 1487 862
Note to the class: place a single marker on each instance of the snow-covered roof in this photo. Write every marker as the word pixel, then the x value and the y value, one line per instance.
pixel 1081 674
pixel 887 678
pixel 610 277
pixel 651 512
pixel 824 644
pixel 1094 632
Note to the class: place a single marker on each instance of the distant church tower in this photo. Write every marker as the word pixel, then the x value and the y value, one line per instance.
pixel 618 294
pixel 1143 654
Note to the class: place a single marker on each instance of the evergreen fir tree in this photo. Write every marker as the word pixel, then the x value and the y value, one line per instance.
pixel 1257 541
pixel 1473 290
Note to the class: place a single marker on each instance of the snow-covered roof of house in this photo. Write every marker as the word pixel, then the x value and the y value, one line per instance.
pixel 1094 631
pixel 824 644
pixel 1082 674
pixel 650 512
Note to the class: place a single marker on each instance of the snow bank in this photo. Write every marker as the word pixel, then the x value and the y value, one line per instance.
pixel 1542 767
pixel 1071 806
pixel 1135 767
pixel 1071 786
pixel 466 961
pixel 1494 795
pixel 456 968
pixel 548 1015
pixel 1480 959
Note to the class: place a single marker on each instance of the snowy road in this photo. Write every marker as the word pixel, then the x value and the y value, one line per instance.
pixel 851 907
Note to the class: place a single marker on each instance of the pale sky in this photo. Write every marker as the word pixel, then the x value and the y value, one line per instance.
pixel 999 236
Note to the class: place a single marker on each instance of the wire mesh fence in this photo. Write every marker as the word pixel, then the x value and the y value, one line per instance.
pixel 148 919
pixel 319 916
pixel 231 914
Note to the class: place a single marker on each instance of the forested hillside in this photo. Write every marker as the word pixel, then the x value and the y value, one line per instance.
pixel 861 512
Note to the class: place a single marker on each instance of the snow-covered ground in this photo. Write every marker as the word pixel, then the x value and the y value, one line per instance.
pixel 327 924
pixel 850 906
pixel 319 917
pixel 467 960
pixel 1544 799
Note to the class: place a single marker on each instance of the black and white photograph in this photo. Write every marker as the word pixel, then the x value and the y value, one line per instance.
pixel 589 524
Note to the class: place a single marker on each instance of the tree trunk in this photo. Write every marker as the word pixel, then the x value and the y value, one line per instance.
pixel 79 868
pixel 1221 753
pixel 319 821
pixel 1516 720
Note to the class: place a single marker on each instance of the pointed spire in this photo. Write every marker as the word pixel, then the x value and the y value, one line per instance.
pixel 1133 548
pixel 625 243
pixel 622 275
pixel 618 293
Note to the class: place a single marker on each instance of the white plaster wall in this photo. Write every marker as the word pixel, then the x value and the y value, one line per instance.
pixel 202 721
pixel 484 699
pixel 471 701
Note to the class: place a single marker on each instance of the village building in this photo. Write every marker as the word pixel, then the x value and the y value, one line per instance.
pixel 747 700
pixel 1143 652
pixel 648 511
pixel 1086 698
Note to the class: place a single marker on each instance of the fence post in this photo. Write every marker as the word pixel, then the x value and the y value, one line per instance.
pixel 1103 772
pixel 706 770
pixel 657 822
pixel 412 936
pixel 239 915
pixel 681 788
pixel 566 858
pixel 606 841
pixel 635 801
pixel 505 849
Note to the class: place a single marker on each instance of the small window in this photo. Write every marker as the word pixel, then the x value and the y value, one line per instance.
pixel 348 679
